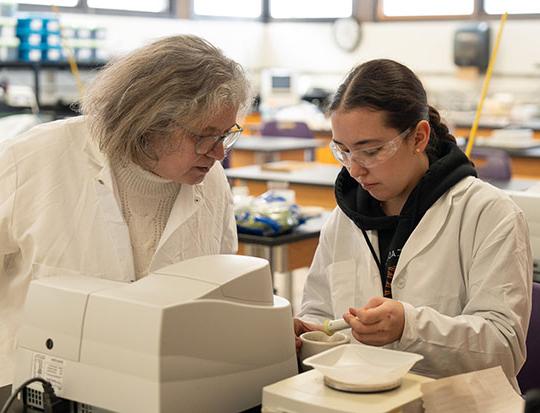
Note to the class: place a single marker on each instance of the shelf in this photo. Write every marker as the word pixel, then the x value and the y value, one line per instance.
pixel 36 67
pixel 22 65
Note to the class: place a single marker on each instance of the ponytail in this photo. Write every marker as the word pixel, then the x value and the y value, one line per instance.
pixel 439 132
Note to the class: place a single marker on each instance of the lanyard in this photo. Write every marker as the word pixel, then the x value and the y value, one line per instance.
pixel 377 261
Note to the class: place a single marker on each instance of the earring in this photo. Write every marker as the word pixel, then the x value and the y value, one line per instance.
pixel 417 150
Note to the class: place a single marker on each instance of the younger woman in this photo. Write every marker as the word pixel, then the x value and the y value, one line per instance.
pixel 419 255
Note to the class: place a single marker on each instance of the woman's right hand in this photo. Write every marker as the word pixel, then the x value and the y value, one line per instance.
pixel 301 327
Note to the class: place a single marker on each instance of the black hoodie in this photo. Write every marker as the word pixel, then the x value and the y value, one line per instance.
pixel 449 167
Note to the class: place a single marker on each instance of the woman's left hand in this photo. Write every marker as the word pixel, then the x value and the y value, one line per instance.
pixel 379 322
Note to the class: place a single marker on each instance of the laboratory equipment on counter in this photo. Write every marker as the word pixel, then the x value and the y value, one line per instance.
pixel 202 335
pixel 307 393
pixel 279 89
pixel 362 368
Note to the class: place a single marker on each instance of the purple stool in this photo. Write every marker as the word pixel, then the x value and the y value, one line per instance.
pixel 497 164
pixel 288 129
pixel 529 376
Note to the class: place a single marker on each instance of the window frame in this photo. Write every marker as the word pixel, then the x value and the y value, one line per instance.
pixel 193 16
pixel 82 8
pixel 265 15
pixel 380 17
pixel 364 10
pixel 510 15
pixel 307 19
pixel 478 14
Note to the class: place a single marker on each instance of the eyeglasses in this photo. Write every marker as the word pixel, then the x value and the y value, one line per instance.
pixel 368 157
pixel 206 144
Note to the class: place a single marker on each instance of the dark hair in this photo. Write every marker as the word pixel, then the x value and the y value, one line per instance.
pixel 386 85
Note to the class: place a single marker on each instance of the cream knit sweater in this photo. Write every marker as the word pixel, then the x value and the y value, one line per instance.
pixel 146 201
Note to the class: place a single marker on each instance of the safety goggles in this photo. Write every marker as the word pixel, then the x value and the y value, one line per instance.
pixel 368 157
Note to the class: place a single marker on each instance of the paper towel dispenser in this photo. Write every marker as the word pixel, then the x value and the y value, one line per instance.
pixel 471 46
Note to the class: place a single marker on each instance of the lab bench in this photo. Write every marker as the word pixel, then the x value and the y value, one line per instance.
pixel 314 185
pixel 256 150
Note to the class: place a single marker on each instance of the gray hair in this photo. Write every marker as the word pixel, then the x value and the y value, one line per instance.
pixel 178 80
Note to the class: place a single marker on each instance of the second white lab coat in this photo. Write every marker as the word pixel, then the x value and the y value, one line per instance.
pixel 464 277
pixel 59 214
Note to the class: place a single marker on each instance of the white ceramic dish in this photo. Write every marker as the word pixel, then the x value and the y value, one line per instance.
pixel 357 367
pixel 314 342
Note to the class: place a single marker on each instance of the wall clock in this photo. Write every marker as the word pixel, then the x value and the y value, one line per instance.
pixel 347 33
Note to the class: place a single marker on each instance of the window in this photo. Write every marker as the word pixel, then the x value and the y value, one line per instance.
pixel 129 7
pixel 400 8
pixel 60 3
pixel 274 9
pixel 154 6
pixel 310 9
pixel 230 8
pixel 512 7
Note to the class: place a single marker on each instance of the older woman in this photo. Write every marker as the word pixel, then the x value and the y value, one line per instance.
pixel 131 186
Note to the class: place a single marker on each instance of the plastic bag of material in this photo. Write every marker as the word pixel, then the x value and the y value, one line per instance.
pixel 268 214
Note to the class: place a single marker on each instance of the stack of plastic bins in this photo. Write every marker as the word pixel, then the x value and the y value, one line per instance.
pixel 83 44
pixel 86 43
pixel 39 39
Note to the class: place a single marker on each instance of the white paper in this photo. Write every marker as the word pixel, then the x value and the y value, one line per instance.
pixel 483 391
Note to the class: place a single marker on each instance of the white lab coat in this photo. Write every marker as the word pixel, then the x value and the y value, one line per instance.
pixel 464 277
pixel 59 214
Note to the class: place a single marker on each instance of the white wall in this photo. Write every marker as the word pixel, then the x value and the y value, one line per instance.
pixel 309 49
pixel 426 47
pixel 242 41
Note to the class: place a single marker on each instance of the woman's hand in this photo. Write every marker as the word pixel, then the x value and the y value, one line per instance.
pixel 301 327
pixel 379 322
